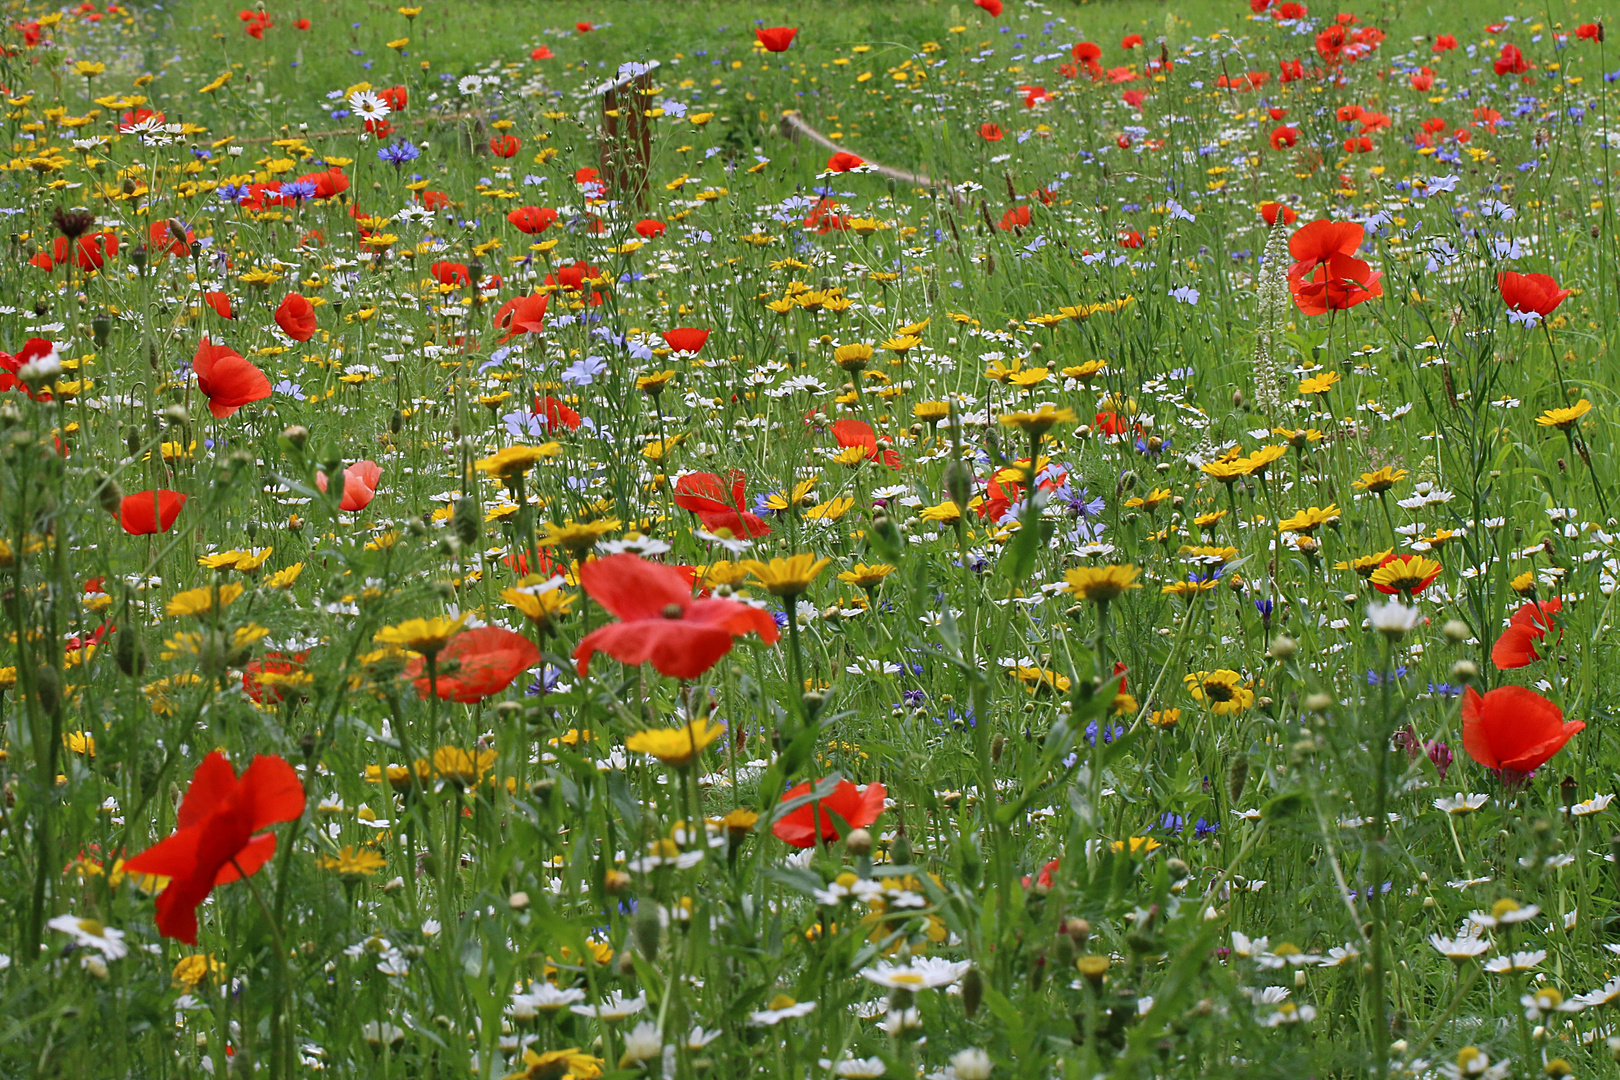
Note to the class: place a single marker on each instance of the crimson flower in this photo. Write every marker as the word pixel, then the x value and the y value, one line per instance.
pixel 477 664
pixel 1272 211
pixel 1589 32
pixel 1015 218
pixel 556 413
pixel 33 349
pixel 228 381
pixel 990 132
pixel 160 239
pixel 649 228
pixel 396 96
pixel 1284 136
pixel 775 38
pixel 542 53
pixel 296 317
pixel 522 315
pixel 214 842
pixel 1529 294
pixel 532 219
pixel 220 302
pixel 1445 43
pixel 1514 728
pixel 359 485
pixel 991 7
pixel 857 807
pixel 148 512
pixel 1516 647
pixel 660 623
pixel 1131 41
pixel 274 663
pixel 329 183
pixel 719 504
pixel 91 251
pixel 505 146
pixel 859 433
pixel 685 339
pixel 1511 62
pixel 844 161
pixel 1316 243
pixel 450 273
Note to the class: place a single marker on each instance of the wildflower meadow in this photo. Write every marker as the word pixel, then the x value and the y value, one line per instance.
pixel 917 539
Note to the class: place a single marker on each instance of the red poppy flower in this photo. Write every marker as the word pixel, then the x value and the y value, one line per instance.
pixel 148 512
pixel 90 253
pixel 296 317
pixel 1358 145
pixel 1034 95
pixel 1134 98
pixel 1292 71
pixel 1272 211
pixel 843 162
pixel 584 27
pixel 1511 62
pixel 33 349
pixel 359 485
pixel 991 7
pixel 220 303
pixel 1087 52
pixel 1527 294
pixel 522 315
pixel 1284 136
pixel 1131 41
pixel 433 200
pixel 1043 878
pixel 1516 647
pixel 1444 43
pixel 450 273
pixel 719 503
pixel 214 842
pixel 573 277
pixel 1589 32
pixel 685 339
pixel 660 622
pixel 1513 727
pixel 397 98
pixel 542 53
pixel 1319 241
pixel 329 183
pixel 856 808
pixel 1015 218
pixel 990 132
pixel 1130 238
pixel 859 433
pixel 775 38
pixel 532 219
pixel 1423 81
pixel 477 664
pixel 301 24
pixel 160 239
pixel 505 146
pixel 1000 496
pixel 649 228
pixel 228 381
pixel 556 414
pixel 1341 282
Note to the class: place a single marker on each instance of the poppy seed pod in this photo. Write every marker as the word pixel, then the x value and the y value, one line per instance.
pixel 900 850
pixel 107 491
pixel 648 930
pixel 972 991
pixel 1237 777
pixel 466 521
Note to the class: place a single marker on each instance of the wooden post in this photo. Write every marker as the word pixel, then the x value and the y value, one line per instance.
pixel 627 133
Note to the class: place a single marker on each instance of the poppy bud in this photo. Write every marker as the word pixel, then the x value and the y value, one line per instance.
pixel 541 790
pixel 1283 647
pixel 647 930
pixel 972 991
pixel 1456 631
pixel 1567 792
pixel 1465 671
pixel 295 436
pixel 959 482
pixel 101 326
pixel 10 415
pixel 137 259
pixel 900 851
pixel 1237 777
pixel 396 420
pixel 1318 702
pixel 858 843
pixel 176 415
pixel 48 688
pixel 997 746
pixel 129 653
pixel 107 492
pixel 466 521
pixel 1063 950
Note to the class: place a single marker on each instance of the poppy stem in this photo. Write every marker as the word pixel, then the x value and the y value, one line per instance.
pixel 279 1030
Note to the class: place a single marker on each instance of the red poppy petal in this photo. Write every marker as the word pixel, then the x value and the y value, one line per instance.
pixel 633 588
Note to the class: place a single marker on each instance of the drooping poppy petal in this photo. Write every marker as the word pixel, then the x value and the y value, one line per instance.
pixel 148 512
pixel 477 664
pixel 1513 727
pixel 296 317
pixel 775 38
pixel 802 827
pixel 226 379
pixel 686 339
